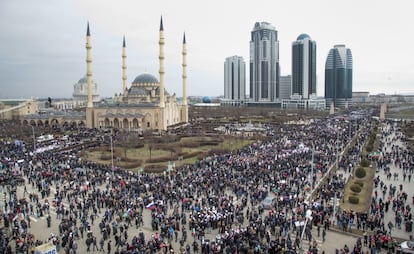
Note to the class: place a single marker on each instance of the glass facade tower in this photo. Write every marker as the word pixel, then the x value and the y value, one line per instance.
pixel 264 64
pixel 235 80
pixel 304 66
pixel 338 77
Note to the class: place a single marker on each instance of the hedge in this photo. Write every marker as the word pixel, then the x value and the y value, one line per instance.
pixel 360 172
pixel 355 188
pixel 353 200
pixel 360 183
pixel 365 163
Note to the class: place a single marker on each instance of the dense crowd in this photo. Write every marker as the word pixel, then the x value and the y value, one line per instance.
pixel 223 193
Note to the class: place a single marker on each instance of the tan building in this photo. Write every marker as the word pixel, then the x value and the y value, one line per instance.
pixel 145 104
pixel 15 109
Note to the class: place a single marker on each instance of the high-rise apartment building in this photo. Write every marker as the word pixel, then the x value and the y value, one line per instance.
pixel 338 77
pixel 303 67
pixel 264 64
pixel 234 80
pixel 285 90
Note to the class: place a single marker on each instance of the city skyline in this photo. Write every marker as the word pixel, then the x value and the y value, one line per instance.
pixel 42 50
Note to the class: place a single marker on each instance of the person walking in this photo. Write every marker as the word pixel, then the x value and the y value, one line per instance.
pixel 323 235
pixel 101 244
pixel 108 247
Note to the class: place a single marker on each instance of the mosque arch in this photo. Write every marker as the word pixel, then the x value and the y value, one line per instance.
pixel 25 122
pixel 125 123
pixel 81 124
pixel 39 123
pixel 107 123
pixel 73 124
pixel 135 123
pixel 32 122
pixel 54 122
pixel 116 123
pixel 46 123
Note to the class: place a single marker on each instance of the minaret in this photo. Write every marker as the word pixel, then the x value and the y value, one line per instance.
pixel 184 104
pixel 124 67
pixel 89 67
pixel 161 71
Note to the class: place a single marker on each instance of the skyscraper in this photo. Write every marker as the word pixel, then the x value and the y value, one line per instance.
pixel 285 89
pixel 264 63
pixel 338 77
pixel 304 66
pixel 235 80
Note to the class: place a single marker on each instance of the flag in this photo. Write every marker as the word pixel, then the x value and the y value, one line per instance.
pixel 150 206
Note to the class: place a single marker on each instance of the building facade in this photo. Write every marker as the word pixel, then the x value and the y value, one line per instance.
pixel 234 81
pixel 304 66
pixel 264 64
pixel 17 109
pixel 285 89
pixel 338 77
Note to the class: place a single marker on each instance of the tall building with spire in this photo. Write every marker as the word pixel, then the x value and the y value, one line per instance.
pixel 89 104
pixel 338 77
pixel 124 66
pixel 264 64
pixel 184 108
pixel 304 67
pixel 234 81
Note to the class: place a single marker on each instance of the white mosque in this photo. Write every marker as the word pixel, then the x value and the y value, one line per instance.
pixel 145 104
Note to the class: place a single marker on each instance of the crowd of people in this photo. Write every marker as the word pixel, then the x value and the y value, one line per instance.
pixel 212 206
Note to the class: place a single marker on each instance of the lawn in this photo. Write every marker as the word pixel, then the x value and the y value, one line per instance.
pixel 364 195
pixel 187 150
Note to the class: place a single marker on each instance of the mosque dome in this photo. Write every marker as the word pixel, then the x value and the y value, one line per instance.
pixel 206 99
pixel 83 80
pixel 303 36
pixel 145 78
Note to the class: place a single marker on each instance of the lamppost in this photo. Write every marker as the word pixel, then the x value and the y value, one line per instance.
pixel 308 217
pixel 34 140
pixel 112 155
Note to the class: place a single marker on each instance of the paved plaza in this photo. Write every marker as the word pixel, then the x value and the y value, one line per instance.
pixel 238 205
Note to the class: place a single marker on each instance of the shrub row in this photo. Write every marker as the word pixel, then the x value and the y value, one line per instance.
pixel 161 159
pixel 360 172
pixel 355 188
pixel 131 165
pixel 155 168
pixel 353 200
pixel 365 163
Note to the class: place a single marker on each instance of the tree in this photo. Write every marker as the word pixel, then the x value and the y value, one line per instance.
pixel 49 102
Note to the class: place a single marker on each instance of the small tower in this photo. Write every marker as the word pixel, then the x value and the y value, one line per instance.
pixel 89 67
pixel 124 67
pixel 89 105
pixel 161 71
pixel 184 104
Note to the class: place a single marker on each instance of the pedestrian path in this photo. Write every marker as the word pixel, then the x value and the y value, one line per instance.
pixel 306 244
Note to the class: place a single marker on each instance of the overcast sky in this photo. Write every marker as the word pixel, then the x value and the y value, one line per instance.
pixel 42 43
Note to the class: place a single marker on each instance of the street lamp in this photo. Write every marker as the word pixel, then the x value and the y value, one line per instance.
pixel 34 140
pixel 308 218
pixel 112 155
